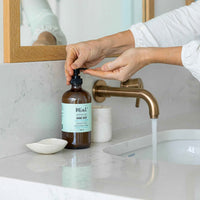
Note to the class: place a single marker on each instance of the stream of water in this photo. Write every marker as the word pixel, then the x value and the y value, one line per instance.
pixel 150 151
pixel 154 140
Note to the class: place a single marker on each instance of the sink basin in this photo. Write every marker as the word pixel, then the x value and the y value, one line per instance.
pixel 175 146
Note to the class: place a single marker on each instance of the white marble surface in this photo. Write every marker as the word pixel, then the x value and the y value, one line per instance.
pixel 29 104
pixel 93 170
pixel 18 190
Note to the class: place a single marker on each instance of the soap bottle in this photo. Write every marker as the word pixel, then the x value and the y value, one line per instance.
pixel 76 115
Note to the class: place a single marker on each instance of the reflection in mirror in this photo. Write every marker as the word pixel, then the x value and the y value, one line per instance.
pixel 39 25
pixel 61 22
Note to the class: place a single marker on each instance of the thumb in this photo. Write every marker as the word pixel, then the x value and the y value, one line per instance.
pixel 79 62
pixel 117 63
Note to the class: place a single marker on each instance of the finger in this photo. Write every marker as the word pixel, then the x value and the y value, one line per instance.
pixel 117 63
pixel 96 69
pixel 78 63
pixel 71 57
pixel 68 75
pixel 68 82
pixel 68 78
pixel 101 74
pixel 83 69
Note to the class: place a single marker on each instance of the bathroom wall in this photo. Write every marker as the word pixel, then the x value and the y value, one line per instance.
pixel 162 6
pixel 107 20
pixel 31 95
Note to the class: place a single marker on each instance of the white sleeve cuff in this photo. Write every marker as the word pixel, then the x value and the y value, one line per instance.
pixel 142 36
pixel 191 58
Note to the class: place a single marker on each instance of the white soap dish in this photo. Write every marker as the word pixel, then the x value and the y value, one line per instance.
pixel 48 146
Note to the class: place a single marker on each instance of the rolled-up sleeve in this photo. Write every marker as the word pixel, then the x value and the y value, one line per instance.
pixel 142 36
pixel 191 57
pixel 175 28
pixel 41 19
pixel 180 27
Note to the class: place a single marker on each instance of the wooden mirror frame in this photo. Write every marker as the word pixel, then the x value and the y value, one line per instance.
pixel 188 2
pixel 14 53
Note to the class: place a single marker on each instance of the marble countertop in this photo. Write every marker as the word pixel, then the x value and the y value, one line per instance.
pixel 96 174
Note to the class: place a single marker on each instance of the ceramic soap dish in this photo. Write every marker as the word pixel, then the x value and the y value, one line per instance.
pixel 48 146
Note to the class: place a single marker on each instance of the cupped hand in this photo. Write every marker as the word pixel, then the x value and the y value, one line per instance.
pixel 124 66
pixel 82 55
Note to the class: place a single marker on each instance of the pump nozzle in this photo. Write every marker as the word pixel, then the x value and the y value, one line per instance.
pixel 76 73
pixel 76 79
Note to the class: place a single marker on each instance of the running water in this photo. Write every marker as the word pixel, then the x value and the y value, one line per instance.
pixel 154 140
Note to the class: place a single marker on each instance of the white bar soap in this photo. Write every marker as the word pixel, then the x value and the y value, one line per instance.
pixel 101 124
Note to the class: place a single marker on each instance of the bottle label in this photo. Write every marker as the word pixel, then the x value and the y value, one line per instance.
pixel 76 117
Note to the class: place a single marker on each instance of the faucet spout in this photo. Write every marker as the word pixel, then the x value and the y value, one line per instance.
pixel 101 91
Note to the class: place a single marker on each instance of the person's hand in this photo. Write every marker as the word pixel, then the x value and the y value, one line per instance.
pixel 124 66
pixel 45 38
pixel 82 55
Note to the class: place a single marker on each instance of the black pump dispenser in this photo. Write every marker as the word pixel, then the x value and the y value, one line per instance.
pixel 76 79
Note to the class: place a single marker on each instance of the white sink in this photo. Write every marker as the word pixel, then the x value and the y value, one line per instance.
pixel 176 146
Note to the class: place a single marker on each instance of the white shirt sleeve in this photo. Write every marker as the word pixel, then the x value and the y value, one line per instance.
pixel 180 27
pixel 190 56
pixel 41 19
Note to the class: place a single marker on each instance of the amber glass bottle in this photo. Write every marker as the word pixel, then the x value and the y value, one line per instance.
pixel 76 115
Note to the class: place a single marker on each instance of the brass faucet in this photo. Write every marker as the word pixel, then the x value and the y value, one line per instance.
pixel 130 88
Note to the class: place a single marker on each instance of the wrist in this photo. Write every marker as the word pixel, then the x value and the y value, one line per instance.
pixel 168 55
pixel 116 44
pixel 146 55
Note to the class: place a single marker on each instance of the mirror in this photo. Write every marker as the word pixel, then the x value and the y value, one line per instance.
pixel 70 23
pixel 75 20
pixel 27 24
